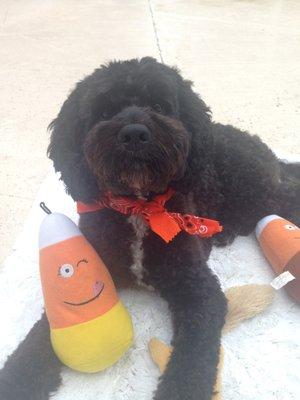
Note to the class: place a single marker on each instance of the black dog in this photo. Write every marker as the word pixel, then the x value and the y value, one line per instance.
pixel 136 128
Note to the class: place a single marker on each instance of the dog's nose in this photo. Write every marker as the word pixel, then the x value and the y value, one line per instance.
pixel 134 135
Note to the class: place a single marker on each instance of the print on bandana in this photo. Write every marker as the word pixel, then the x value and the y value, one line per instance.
pixel 165 224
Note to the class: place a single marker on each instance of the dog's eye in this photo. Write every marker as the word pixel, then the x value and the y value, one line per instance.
pixel 105 114
pixel 157 107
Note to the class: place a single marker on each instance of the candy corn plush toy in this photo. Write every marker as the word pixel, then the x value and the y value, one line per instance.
pixel 280 242
pixel 90 327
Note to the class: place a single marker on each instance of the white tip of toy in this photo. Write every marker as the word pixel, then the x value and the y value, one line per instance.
pixel 263 223
pixel 55 228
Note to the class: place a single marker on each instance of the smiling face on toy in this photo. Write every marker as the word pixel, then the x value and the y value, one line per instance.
pixel 76 284
pixel 73 279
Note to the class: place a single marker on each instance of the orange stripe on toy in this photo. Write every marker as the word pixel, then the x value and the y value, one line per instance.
pixel 76 285
pixel 280 240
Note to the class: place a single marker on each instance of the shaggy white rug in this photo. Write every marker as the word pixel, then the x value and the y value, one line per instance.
pixel 262 356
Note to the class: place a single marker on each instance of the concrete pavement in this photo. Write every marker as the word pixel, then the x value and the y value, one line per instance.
pixel 244 57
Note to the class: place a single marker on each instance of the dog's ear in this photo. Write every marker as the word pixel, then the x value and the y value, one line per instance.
pixel 196 117
pixel 194 113
pixel 66 150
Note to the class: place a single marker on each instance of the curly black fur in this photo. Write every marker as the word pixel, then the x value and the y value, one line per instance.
pixel 217 171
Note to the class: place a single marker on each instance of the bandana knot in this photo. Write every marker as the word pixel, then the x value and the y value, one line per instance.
pixel 164 223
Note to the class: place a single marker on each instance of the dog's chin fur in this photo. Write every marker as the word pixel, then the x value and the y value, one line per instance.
pixel 147 170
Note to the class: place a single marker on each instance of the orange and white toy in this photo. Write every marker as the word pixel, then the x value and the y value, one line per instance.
pixel 280 242
pixel 90 327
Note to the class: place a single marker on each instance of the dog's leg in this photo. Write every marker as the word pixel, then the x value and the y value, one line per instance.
pixel 32 372
pixel 198 309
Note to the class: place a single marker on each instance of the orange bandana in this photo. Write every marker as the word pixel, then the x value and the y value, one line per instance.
pixel 165 224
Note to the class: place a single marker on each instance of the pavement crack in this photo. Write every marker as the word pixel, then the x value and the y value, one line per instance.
pixel 155 31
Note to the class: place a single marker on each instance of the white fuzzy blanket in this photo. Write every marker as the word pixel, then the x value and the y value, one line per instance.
pixel 262 356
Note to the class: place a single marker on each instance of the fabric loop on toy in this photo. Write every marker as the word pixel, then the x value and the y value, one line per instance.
pixel 164 223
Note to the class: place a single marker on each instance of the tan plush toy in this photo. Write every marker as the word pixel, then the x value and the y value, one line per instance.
pixel 244 302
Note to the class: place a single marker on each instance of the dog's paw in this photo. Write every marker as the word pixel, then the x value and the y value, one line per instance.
pixel 176 389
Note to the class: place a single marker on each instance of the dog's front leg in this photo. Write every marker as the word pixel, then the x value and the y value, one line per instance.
pixel 198 309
